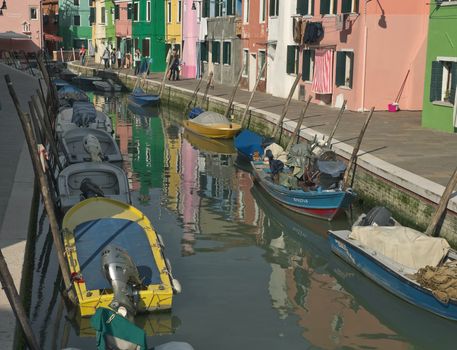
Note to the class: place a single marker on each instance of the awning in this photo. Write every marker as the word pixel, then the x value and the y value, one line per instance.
pixel 14 36
pixel 52 37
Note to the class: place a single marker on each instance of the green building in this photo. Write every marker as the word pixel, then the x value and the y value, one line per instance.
pixel 74 23
pixel 110 29
pixel 148 31
pixel 439 107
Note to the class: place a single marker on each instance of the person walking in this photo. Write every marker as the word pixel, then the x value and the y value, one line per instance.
pixel 175 65
pixel 82 55
pixel 137 59
pixel 106 57
pixel 119 59
pixel 113 57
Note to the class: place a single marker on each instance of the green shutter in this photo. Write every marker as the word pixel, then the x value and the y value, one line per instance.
pixel 272 8
pixel 116 11
pixel 340 68
pixel 436 81
pixel 351 68
pixel 453 82
pixel 302 7
pixel 325 7
pixel 229 11
pixel 305 75
pixel 224 53
pixel 216 52
pixel 356 6
pixel 290 59
pixel 312 7
pixel 205 11
pixel 346 6
pixel 335 8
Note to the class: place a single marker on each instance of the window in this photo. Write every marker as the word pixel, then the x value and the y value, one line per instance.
pixel 129 11
pixel 349 6
pixel 76 2
pixel 218 8
pixel 92 15
pixel 26 27
pixel 136 11
pixel 145 47
pixel 227 53
pixel 308 65
pixel 246 11
pixel 204 51
pixel 306 7
pixel 103 16
pixel 274 8
pixel 245 63
pixel 77 43
pixel 328 7
pixel 169 12
pixel 112 15
pixel 148 11
pixel 443 81
pixel 344 65
pixel 261 61
pixel 263 10
pixel 206 12
pixel 292 59
pixel 77 20
pixel 136 43
pixel 116 11
pixel 179 12
pixel 33 13
pixel 231 10
pixel 216 51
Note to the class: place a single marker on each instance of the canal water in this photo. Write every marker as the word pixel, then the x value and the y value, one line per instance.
pixel 254 275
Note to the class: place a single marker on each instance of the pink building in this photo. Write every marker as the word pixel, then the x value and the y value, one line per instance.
pixel 123 25
pixel 190 38
pixel 22 17
pixel 376 51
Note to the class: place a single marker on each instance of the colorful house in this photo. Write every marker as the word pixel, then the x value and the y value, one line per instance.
pixel 103 29
pixel 148 31
pixel 174 15
pixel 50 9
pixel 75 23
pixel 255 40
pixel 123 25
pixel 190 55
pixel 440 101
pixel 220 54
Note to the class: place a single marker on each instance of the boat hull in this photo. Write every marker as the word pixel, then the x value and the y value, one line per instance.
pixel 387 278
pixel 319 204
pixel 214 131
pixel 145 101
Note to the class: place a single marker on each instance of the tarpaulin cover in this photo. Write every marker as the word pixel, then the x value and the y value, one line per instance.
pixel 333 168
pixel 249 142
pixel 84 113
pixel 94 236
pixel 211 118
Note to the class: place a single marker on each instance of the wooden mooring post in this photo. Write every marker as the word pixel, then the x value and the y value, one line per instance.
pixel 44 189
pixel 431 229
pixel 16 303
pixel 169 63
pixel 356 149
pixel 328 142
pixel 286 107
pixel 299 123
pixel 193 99
pixel 208 84
pixel 232 97
pixel 252 93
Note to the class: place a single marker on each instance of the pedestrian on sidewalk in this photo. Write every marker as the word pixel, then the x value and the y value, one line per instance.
pixel 113 57
pixel 175 66
pixel 82 55
pixel 137 60
pixel 119 59
pixel 105 57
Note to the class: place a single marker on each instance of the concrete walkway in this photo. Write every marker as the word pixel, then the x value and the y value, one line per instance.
pixel 16 189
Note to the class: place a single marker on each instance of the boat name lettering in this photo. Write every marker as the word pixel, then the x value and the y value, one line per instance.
pixel 300 200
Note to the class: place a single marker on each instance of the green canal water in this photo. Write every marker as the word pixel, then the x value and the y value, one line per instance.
pixel 254 275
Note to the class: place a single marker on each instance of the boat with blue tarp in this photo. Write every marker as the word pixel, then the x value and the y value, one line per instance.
pixel 142 99
pixel 250 145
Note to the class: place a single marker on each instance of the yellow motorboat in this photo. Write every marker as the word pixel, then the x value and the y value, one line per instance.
pixel 98 227
pixel 212 125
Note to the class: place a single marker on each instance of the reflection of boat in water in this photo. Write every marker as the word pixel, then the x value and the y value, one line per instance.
pixel 147 111
pixel 209 145
pixel 365 301
pixel 141 98
pixel 212 125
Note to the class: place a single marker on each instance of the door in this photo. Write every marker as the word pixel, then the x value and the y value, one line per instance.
pixel 252 70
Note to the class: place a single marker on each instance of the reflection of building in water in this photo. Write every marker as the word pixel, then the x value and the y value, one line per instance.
pixel 148 147
pixel 124 137
pixel 172 161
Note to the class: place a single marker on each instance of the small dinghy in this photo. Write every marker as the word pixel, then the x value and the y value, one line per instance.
pixel 90 145
pixel 82 115
pixel 85 81
pixel 107 86
pixel 143 99
pixel 89 179
pixel 212 125
pixel 70 94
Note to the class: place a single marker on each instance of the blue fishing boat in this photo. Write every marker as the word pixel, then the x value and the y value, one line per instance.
pixel 139 111
pixel 250 145
pixel 143 99
pixel 391 257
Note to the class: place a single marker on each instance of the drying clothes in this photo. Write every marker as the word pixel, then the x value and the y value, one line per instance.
pixel 313 32
pixel 298 23
pixel 203 29
pixel 323 69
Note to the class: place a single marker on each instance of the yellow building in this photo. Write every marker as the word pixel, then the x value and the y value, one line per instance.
pixel 174 10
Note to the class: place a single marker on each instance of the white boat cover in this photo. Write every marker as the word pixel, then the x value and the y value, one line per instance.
pixel 210 118
pixel 402 244
pixel 278 152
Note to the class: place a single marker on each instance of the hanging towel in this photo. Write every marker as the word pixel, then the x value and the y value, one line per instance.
pixel 297 29
pixel 323 66
pixel 203 29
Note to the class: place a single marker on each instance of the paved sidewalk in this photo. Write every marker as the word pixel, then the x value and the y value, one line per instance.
pixel 396 138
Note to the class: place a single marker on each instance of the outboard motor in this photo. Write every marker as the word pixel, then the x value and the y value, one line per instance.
pixel 122 274
pixel 89 189
pixel 378 216
pixel 93 147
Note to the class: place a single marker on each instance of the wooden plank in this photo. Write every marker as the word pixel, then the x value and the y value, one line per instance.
pixel 286 106
pixel 299 123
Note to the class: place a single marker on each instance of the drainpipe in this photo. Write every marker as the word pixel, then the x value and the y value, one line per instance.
pixel 455 109
pixel 365 43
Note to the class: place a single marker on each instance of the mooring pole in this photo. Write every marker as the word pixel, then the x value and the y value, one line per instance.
pixel 194 95
pixel 252 93
pixel 299 123
pixel 44 189
pixel 356 149
pixel 169 63
pixel 16 303
pixel 232 97
pixel 286 106
pixel 337 122
pixel 442 206
pixel 208 84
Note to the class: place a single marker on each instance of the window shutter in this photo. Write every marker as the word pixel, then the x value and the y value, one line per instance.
pixel 224 53
pixel 229 11
pixel 312 7
pixel 272 8
pixel 305 65
pixel 325 7
pixel 436 81
pixel 302 6
pixel 356 6
pixel 116 11
pixel 335 8
pixel 351 70
pixel 290 59
pixel 453 82
pixel 346 6
pixel 340 68
pixel 205 8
